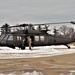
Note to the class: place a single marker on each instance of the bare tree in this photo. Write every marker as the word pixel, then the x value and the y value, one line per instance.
pixel 5 29
pixel 66 31
pixel 56 31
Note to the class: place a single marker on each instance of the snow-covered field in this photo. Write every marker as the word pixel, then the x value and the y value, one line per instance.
pixel 71 72
pixel 6 52
pixel 45 51
pixel 26 73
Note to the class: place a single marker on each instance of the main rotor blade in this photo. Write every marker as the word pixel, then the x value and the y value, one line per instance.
pixel 23 25
pixel 72 22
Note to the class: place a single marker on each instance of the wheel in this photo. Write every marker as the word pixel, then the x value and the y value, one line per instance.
pixel 69 47
pixel 22 47
pixel 13 47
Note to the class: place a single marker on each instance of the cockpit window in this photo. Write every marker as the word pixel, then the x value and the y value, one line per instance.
pixel 5 38
pixel 10 37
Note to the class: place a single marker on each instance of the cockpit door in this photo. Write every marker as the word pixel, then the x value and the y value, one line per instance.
pixel 10 40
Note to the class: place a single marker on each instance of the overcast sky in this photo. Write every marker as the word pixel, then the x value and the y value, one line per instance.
pixel 36 11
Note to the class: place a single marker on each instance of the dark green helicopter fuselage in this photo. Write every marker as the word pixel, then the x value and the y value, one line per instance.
pixel 39 38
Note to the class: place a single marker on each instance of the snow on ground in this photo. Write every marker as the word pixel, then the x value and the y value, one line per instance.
pixel 71 72
pixel 6 52
pixel 26 73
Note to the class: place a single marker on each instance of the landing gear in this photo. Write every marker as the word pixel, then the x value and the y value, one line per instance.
pixel 68 46
pixel 13 47
pixel 23 47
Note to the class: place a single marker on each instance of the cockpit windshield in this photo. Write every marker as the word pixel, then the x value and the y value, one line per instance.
pixel 5 37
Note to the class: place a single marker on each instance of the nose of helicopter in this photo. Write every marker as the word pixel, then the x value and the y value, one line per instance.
pixel 2 43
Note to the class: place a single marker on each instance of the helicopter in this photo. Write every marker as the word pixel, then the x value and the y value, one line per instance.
pixel 38 34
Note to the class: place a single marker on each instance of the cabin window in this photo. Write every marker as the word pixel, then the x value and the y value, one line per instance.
pixel 10 38
pixel 42 38
pixel 36 38
pixel 18 37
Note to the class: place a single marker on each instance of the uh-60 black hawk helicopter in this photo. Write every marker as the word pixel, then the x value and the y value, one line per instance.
pixel 38 34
